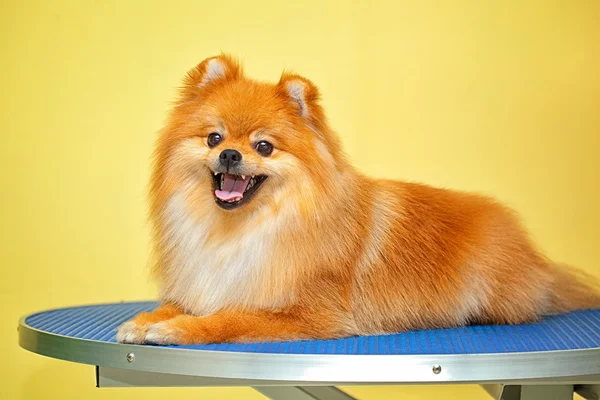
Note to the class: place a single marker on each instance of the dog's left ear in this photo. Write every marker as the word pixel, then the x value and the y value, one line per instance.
pixel 303 94
pixel 210 72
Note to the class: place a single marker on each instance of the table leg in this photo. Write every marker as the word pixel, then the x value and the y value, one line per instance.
pixel 530 392
pixel 588 392
pixel 303 393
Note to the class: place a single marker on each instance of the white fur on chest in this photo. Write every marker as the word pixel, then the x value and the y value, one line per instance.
pixel 205 277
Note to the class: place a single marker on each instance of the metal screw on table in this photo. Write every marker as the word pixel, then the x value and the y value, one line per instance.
pixel 130 357
pixel 437 369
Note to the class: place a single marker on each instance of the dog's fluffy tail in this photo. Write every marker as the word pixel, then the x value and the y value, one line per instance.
pixel 573 290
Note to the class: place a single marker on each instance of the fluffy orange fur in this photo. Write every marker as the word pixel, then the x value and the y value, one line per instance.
pixel 320 250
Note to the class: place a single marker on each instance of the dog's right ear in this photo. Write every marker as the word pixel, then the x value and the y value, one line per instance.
pixel 301 92
pixel 212 71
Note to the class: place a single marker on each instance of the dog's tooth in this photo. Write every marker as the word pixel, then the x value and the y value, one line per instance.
pixel 216 173
pixel 243 177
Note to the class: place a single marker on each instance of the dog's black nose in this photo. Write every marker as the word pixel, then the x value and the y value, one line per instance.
pixel 230 158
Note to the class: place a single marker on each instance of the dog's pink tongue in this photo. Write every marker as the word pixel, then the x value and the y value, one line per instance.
pixel 233 187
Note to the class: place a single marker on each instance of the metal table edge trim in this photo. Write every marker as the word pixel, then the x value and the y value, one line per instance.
pixel 401 369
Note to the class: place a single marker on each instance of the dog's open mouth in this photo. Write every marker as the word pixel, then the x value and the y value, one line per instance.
pixel 231 191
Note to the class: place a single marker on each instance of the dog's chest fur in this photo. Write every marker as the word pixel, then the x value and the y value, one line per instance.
pixel 205 277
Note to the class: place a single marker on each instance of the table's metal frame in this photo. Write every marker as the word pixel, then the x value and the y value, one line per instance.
pixel 553 375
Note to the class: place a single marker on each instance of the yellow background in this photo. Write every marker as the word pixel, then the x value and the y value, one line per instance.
pixel 496 97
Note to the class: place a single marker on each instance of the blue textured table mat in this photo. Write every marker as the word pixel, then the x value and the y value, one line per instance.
pixel 576 330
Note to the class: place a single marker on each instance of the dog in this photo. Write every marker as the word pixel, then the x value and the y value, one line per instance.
pixel 263 231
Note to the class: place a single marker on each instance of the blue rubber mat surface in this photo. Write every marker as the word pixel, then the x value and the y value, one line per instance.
pixel 577 330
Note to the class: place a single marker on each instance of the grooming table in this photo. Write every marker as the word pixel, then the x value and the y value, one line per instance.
pixel 548 360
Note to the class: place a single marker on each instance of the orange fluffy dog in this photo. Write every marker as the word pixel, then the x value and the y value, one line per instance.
pixel 264 232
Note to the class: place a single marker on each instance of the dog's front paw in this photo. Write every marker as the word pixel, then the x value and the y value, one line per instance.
pixel 132 332
pixel 165 333
pixel 182 330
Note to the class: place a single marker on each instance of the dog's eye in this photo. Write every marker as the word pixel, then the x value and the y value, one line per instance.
pixel 264 148
pixel 214 139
